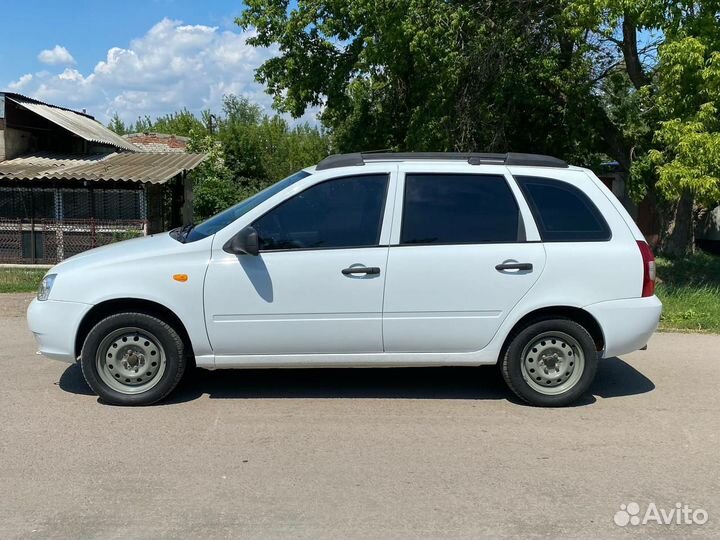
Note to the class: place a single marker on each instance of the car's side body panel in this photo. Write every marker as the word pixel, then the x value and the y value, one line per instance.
pixel 279 303
pixel 298 300
pixel 143 269
pixel 589 271
pixel 450 297
pixel 456 302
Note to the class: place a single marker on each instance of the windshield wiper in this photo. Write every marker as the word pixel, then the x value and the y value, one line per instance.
pixel 180 233
pixel 185 231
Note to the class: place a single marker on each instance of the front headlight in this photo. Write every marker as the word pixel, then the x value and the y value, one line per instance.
pixel 46 286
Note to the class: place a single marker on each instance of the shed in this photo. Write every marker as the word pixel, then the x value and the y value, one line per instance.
pixel 67 183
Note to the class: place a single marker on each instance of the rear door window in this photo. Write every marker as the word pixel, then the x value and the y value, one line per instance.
pixel 459 209
pixel 563 213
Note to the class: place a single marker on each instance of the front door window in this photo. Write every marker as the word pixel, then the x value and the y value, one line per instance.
pixel 340 213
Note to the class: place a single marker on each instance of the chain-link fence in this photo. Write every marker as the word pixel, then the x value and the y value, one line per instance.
pixel 11 241
pixel 47 225
pixel 50 241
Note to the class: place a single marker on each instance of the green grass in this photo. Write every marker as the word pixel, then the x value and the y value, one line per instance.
pixel 20 279
pixel 689 289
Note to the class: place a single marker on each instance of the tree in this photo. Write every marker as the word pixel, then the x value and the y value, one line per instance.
pixel 180 123
pixel 676 93
pixel 143 125
pixel 117 125
pixel 421 75
pixel 238 135
pixel 245 152
pixel 213 185
pixel 260 149
pixel 686 153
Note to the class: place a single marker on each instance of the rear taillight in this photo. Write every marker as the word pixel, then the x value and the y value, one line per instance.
pixel 648 269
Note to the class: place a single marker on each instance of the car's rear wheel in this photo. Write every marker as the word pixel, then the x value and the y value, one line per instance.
pixel 132 359
pixel 550 363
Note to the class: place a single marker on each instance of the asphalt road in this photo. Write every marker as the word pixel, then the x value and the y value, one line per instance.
pixel 370 454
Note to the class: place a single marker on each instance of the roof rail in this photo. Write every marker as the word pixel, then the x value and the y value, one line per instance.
pixel 473 158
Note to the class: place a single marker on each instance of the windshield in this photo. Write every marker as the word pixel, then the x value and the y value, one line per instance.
pixel 219 221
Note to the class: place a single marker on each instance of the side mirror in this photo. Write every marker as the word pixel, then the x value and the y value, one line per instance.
pixel 245 242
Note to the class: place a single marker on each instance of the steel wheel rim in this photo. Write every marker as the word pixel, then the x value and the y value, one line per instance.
pixel 553 363
pixel 130 360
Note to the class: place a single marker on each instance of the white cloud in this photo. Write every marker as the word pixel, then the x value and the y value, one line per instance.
pixel 56 56
pixel 70 75
pixel 172 66
pixel 22 82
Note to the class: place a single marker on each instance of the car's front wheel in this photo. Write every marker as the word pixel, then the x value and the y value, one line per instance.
pixel 550 363
pixel 132 359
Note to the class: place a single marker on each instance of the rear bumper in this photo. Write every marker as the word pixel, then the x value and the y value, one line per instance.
pixel 626 324
pixel 54 325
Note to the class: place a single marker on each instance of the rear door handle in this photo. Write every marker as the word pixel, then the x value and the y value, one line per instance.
pixel 368 270
pixel 513 266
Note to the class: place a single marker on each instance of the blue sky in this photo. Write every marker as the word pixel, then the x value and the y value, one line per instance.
pixel 131 57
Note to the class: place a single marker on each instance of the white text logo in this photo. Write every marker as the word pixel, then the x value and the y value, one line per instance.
pixel 680 514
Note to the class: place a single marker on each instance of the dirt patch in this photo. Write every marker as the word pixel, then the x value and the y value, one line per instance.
pixel 15 304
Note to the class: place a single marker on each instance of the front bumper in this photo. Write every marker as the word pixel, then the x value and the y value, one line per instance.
pixel 626 324
pixel 55 324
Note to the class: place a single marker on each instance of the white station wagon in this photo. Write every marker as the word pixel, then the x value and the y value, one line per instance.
pixel 369 260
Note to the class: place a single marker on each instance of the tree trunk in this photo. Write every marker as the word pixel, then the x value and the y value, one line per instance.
pixel 633 65
pixel 679 239
pixel 615 144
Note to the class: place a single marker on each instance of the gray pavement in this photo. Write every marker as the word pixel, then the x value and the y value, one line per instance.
pixel 382 453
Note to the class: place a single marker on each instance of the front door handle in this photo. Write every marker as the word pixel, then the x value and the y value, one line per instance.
pixel 368 270
pixel 514 266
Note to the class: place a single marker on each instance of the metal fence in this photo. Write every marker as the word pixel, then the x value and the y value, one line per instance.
pixel 61 203
pixel 49 241
pixel 49 224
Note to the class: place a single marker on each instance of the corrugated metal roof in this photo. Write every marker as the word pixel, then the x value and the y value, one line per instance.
pixel 155 168
pixel 82 125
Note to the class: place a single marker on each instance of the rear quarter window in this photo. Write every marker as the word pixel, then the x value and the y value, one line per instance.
pixel 563 213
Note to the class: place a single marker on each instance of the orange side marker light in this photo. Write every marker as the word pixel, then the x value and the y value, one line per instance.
pixel 182 278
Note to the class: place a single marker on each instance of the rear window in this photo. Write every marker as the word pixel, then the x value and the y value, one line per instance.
pixel 459 209
pixel 563 213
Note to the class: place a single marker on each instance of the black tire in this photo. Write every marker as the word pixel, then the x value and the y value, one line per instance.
pixel 171 349
pixel 518 353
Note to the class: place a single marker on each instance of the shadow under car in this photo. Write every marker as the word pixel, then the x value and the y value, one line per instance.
pixel 615 378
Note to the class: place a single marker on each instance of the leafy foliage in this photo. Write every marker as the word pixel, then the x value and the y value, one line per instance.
pixel 180 123
pixel 426 75
pixel 246 151
pixel 117 125
pixel 687 153
pixel 261 149
pixel 213 186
